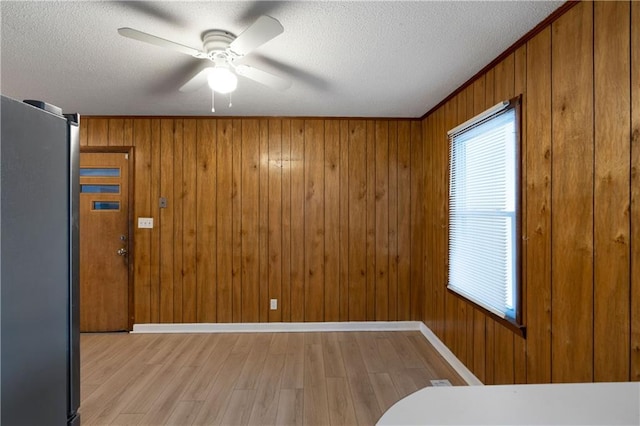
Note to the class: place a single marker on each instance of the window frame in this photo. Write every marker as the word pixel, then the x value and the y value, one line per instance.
pixel 517 323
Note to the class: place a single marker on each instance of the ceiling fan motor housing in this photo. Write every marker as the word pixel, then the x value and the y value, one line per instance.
pixel 217 42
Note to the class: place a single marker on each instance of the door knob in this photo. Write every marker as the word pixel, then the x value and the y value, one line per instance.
pixel 122 252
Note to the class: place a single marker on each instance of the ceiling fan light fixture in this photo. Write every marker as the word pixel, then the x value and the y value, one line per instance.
pixel 222 79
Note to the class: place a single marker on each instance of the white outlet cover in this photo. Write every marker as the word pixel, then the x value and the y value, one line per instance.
pixel 274 304
pixel 145 222
pixel 440 382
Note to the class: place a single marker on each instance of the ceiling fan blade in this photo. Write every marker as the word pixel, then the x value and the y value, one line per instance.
pixel 197 81
pixel 157 41
pixel 261 31
pixel 263 77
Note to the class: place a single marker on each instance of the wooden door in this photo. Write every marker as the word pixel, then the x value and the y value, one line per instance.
pixel 104 241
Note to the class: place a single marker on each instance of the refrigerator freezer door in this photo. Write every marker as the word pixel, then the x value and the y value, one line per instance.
pixel 34 266
pixel 74 268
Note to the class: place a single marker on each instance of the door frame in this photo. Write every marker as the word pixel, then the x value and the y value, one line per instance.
pixel 130 219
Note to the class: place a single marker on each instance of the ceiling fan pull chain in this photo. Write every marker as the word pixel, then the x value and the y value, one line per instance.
pixel 230 103
pixel 213 101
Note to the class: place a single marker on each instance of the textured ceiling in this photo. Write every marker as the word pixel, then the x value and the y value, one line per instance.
pixel 346 59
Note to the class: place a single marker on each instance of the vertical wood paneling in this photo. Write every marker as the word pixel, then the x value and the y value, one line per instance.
pixel 286 221
pixel 224 220
pixel 417 222
pixel 84 127
pixel 199 251
pixel 297 221
pixel 393 221
pixel 370 217
pixel 274 207
pixel 429 259
pixel 572 195
pixel 314 220
pixel 154 212
pixel 439 241
pixel 115 135
pixel 382 221
pixel 344 220
pixel 404 221
pixel 178 220
pixel 438 285
pixel 635 191
pixel 98 132
pixel 206 285
pixel 236 220
pixel 263 222
pixel 612 199
pixel 250 268
pixel 537 228
pixel 357 221
pixel 142 241
pixel 190 227
pixel 127 133
pixel 332 258
pixel 166 222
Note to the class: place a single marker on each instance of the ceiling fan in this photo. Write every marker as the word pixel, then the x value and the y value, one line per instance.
pixel 223 49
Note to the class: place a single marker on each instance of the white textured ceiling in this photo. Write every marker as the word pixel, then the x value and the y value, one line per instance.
pixel 346 59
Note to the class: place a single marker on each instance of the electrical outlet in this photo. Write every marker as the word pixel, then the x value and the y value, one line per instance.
pixel 274 304
pixel 440 382
pixel 145 222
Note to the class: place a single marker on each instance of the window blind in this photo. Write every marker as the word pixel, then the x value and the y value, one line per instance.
pixel 482 212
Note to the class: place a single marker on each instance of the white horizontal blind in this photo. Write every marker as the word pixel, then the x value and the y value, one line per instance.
pixel 482 213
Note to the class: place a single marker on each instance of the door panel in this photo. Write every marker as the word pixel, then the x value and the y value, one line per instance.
pixel 104 241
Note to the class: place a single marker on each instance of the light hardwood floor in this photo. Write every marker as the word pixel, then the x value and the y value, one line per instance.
pixel 345 378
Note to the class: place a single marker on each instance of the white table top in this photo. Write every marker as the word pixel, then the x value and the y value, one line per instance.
pixel 557 404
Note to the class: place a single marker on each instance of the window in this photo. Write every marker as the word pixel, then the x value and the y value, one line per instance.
pixel 100 189
pixel 106 205
pixel 99 172
pixel 483 211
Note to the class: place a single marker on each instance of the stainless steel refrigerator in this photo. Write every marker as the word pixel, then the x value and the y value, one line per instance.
pixel 39 345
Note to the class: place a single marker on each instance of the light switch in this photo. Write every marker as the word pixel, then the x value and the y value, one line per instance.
pixel 145 222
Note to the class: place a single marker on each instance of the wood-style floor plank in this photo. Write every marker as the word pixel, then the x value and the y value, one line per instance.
pixel 184 413
pixel 364 400
pixel 341 411
pixel 265 407
pixel 316 406
pixel 345 378
pixel 290 407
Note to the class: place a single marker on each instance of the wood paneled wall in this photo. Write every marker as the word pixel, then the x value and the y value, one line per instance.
pixel 327 216
pixel 580 81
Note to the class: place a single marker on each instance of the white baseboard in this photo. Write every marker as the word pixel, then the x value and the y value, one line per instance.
pixel 446 353
pixel 306 327
pixel 277 327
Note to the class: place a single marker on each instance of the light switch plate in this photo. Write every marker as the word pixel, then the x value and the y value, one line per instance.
pixel 145 222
